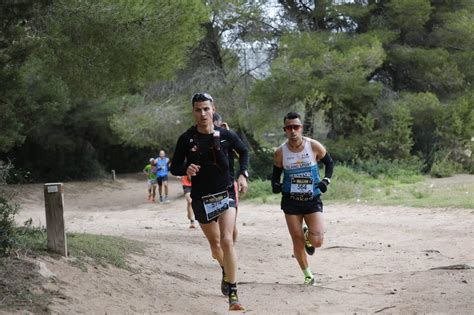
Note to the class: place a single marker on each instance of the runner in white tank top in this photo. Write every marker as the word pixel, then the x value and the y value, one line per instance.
pixel 300 173
pixel 301 189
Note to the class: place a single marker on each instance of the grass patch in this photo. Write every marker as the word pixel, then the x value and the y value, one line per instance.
pixel 103 249
pixel 86 248
pixel 408 189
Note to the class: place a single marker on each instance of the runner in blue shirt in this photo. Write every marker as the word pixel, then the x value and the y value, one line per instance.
pixel 162 166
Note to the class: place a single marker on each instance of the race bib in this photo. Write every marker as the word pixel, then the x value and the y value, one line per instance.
pixel 301 188
pixel 215 204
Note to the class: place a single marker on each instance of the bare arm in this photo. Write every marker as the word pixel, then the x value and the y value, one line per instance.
pixel 278 158
pixel 318 149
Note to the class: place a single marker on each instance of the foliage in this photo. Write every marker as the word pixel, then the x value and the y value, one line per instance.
pixel 260 190
pixel 8 210
pixel 407 188
pixel 395 169
pixel 406 66
pixel 336 65
pixel 443 168
pixel 63 61
pixel 111 46
pixel 261 158
pixel 424 107
pixel 455 127
pixel 87 84
pixel 152 124
pixel 421 69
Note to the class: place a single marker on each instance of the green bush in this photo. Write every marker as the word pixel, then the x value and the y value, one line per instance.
pixel 30 238
pixel 391 168
pixel 444 168
pixel 258 188
pixel 261 163
pixel 8 209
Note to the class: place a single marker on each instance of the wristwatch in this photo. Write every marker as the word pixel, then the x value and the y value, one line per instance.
pixel 245 173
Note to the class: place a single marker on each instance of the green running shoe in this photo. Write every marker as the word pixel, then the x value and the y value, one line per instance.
pixel 307 244
pixel 309 280
pixel 234 304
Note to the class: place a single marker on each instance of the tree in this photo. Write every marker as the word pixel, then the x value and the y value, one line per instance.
pixel 325 70
pixel 162 111
pixel 81 53
pixel 17 41
pixel 349 60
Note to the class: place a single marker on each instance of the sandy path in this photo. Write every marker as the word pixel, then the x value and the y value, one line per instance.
pixel 375 259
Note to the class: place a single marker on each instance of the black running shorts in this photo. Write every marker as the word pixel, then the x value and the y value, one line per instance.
pixel 200 213
pixel 301 207
pixel 187 189
pixel 161 179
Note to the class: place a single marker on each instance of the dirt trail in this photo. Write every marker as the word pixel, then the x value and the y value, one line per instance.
pixel 374 260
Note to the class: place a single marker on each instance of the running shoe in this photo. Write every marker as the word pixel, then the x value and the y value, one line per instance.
pixel 161 199
pixel 167 200
pixel 309 280
pixel 307 244
pixel 234 304
pixel 225 286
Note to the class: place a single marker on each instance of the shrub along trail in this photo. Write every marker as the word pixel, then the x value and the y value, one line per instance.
pixel 375 259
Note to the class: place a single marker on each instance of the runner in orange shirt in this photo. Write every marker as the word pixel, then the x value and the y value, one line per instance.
pixel 186 181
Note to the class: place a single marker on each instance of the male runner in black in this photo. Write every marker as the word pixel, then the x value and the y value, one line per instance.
pixel 202 153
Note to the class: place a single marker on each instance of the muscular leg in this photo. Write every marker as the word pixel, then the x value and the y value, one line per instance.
pixel 211 231
pixel 296 232
pixel 315 224
pixel 235 232
pixel 226 226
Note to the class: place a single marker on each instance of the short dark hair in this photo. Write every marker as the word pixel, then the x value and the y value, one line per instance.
pixel 216 117
pixel 291 115
pixel 201 97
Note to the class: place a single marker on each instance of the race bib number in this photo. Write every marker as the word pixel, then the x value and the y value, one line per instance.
pixel 301 188
pixel 215 204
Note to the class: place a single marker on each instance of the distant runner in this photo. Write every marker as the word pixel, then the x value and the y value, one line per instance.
pixel 150 172
pixel 187 185
pixel 163 164
pixel 298 159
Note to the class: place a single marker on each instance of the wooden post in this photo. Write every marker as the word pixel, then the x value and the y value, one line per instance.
pixel 113 175
pixel 53 201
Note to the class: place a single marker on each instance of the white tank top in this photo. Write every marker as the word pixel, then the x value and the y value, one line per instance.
pixel 292 160
pixel 300 172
